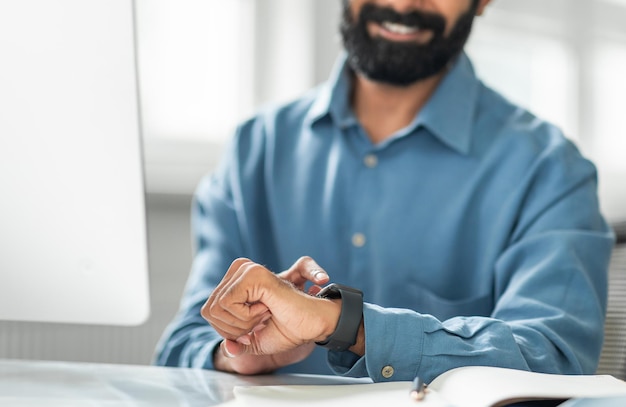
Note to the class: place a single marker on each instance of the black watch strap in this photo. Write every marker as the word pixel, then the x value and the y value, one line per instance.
pixel 350 318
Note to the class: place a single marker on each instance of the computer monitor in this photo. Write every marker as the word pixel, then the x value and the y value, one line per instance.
pixel 73 244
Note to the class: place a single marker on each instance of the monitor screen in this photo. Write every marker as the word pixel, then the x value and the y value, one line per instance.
pixel 73 245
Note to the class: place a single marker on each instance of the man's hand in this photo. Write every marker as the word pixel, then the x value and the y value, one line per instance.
pixel 266 319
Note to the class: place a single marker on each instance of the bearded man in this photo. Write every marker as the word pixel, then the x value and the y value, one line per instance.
pixel 457 228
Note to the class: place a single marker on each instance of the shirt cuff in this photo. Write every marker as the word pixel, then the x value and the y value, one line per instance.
pixel 393 346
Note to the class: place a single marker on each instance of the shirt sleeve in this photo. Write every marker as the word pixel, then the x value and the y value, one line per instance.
pixel 550 291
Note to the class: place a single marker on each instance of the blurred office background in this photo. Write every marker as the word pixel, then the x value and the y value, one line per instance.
pixel 206 64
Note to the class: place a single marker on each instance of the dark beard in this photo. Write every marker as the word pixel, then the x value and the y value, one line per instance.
pixel 399 63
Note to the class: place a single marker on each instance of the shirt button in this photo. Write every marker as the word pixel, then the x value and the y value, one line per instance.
pixel 387 371
pixel 358 239
pixel 370 160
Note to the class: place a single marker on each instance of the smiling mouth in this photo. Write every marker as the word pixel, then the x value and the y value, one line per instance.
pixel 398 32
pixel 400 29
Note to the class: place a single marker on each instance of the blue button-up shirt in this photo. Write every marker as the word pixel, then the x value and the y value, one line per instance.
pixel 474 232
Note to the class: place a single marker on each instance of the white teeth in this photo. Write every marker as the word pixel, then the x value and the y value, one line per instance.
pixel 399 28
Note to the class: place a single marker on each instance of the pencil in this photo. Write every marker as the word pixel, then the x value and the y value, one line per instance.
pixel 417 389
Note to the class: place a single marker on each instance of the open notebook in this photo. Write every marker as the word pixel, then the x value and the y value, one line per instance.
pixel 470 386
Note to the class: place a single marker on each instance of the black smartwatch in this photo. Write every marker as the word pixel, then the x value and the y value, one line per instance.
pixel 350 318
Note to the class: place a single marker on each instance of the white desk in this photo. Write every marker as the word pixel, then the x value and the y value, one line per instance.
pixel 37 383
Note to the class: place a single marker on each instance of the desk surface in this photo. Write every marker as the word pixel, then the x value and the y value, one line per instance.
pixel 41 383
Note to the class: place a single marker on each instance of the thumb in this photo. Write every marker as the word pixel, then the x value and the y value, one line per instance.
pixel 303 270
pixel 312 271
pixel 232 349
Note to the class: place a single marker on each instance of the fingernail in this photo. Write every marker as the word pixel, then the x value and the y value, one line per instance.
pixel 244 339
pixel 225 351
pixel 258 327
pixel 319 275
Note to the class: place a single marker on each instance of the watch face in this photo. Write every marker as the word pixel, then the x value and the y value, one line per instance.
pixel 330 291
pixel 333 291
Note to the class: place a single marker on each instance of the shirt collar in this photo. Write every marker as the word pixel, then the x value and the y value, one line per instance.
pixel 334 96
pixel 448 114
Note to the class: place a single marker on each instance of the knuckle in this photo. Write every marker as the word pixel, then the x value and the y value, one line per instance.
pixel 205 309
pixel 304 260
pixel 238 262
pixel 255 271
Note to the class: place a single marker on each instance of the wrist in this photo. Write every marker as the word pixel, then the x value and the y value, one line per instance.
pixel 359 347
pixel 332 312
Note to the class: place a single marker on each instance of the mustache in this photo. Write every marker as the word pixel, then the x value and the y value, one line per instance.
pixel 424 20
